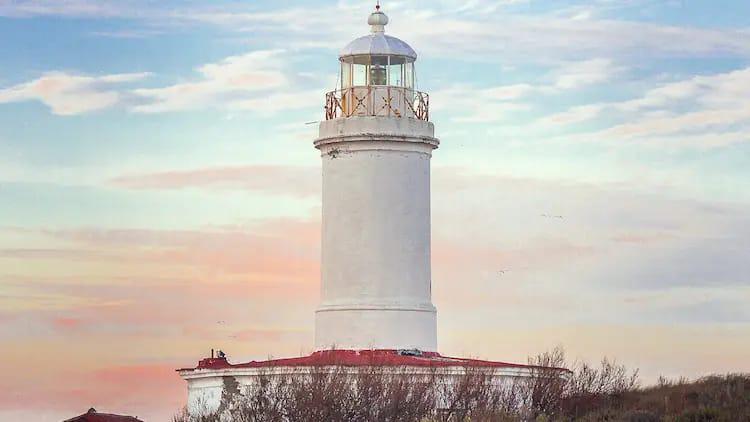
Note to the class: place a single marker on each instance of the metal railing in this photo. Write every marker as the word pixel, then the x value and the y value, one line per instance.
pixel 387 101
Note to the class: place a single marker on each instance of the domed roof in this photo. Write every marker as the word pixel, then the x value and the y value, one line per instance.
pixel 377 43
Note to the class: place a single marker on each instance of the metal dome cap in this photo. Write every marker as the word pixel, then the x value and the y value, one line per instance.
pixel 377 43
pixel 377 19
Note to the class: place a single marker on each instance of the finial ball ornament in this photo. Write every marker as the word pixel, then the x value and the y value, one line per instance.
pixel 377 18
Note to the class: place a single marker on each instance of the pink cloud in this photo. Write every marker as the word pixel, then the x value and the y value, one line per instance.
pixel 49 253
pixel 288 180
pixel 67 94
pixel 262 278
pixel 67 323
pixel 276 249
pixel 152 391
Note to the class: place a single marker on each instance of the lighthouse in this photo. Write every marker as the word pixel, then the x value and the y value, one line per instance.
pixel 375 306
pixel 375 145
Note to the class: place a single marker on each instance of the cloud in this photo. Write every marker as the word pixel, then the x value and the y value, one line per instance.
pixel 704 111
pixel 256 81
pixel 714 102
pixel 620 257
pixel 476 30
pixel 64 323
pixel 615 233
pixel 291 180
pixel 68 8
pixel 513 36
pixel 18 299
pixel 253 81
pixel 583 73
pixel 128 33
pixel 475 33
pixel 275 249
pixel 129 389
pixel 576 114
pixel 67 94
pixel 471 104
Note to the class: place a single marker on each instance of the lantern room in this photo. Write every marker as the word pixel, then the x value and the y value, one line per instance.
pixel 376 70
pixel 377 77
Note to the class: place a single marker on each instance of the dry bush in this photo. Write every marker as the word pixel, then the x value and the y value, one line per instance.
pixel 477 395
pixel 590 388
pixel 265 400
pixel 607 392
pixel 545 389
pixel 557 393
pixel 715 398
pixel 377 393
pixel 183 416
pixel 330 394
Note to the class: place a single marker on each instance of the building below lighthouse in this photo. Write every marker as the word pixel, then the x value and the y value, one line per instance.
pixel 375 143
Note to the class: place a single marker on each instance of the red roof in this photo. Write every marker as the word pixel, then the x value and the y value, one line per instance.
pixel 93 416
pixel 359 358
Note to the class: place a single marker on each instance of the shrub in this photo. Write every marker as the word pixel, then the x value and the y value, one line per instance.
pixel 607 392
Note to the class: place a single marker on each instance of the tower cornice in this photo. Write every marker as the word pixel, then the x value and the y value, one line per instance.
pixel 389 133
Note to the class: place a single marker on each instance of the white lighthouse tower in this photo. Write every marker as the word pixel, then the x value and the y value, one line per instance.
pixel 376 144
pixel 376 302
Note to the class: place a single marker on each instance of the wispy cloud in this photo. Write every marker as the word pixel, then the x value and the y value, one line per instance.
pixel 292 180
pixel 474 33
pixel 585 73
pixel 230 82
pixel 124 388
pixel 71 8
pixel 700 111
pixel 257 81
pixel 477 29
pixel 619 257
pixel 69 94
pixel 470 104
pixel 716 101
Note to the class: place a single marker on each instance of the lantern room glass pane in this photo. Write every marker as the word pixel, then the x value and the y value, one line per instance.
pixel 359 75
pixel 346 75
pixel 395 75
pixel 409 75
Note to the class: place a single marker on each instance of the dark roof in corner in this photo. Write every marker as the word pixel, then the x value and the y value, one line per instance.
pixel 93 416
pixel 359 358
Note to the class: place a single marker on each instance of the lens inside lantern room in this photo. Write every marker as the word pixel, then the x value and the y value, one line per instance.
pixel 367 70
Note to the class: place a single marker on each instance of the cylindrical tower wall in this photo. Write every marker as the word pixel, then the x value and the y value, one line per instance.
pixel 376 285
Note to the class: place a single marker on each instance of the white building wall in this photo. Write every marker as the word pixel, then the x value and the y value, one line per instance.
pixel 206 386
pixel 376 283
pixel 204 394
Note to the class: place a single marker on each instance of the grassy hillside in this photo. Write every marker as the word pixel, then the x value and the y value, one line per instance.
pixel 712 398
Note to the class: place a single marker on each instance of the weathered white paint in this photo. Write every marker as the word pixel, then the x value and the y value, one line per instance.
pixel 204 393
pixel 376 285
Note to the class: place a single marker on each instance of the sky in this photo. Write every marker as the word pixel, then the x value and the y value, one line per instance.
pixel 160 193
